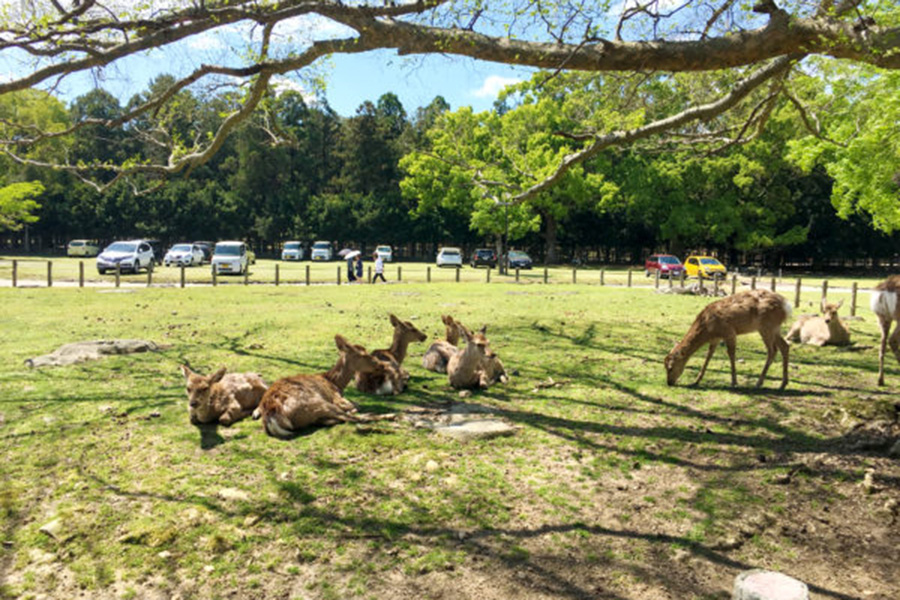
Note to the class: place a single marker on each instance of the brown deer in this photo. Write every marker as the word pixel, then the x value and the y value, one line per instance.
pixel 827 330
pixel 723 321
pixel 392 379
pixel 438 354
pixel 883 303
pixel 293 403
pixel 222 398
pixel 475 366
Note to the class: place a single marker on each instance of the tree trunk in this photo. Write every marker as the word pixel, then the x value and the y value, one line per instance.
pixel 551 228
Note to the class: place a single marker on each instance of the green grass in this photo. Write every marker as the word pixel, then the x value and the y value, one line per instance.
pixel 610 466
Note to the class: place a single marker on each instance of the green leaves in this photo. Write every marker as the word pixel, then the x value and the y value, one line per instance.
pixel 17 204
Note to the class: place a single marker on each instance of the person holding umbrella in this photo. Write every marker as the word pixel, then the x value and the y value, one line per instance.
pixel 359 267
pixel 349 256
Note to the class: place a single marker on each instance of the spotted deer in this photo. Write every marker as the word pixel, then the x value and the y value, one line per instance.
pixel 724 320
pixel 475 366
pixel 393 377
pixel 438 354
pixel 883 303
pixel 825 330
pixel 294 403
pixel 222 398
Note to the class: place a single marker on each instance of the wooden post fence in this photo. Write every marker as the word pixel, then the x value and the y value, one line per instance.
pixel 683 275
pixel 671 283
pixel 400 273
pixel 517 274
pixel 119 274
pixel 427 273
pixel 150 275
pixel 753 282
pixel 339 275
pixel 487 275
pixel 247 275
pixel 215 277
pixel 656 279
pixel 774 289
pixel 853 300
pixel 307 274
pixel 733 285
pixel 49 273
pixel 277 274
pixel 629 277
pixel 574 275
pixel 545 275
pixel 602 273
pixel 825 289
pixel 182 275
pixel 81 273
pixel 458 269
pixel 797 293
pixel 15 273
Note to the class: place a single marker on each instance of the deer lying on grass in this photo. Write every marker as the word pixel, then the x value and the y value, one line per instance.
pixel 821 331
pixel 220 397
pixel 293 403
pixel 724 320
pixel 438 354
pixel 475 366
pixel 392 379
pixel 883 303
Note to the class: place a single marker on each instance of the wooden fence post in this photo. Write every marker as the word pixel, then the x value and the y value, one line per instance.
pixel 80 273
pixel 49 273
pixel 602 273
pixel 825 289
pixel 656 279
pixel 458 269
pixel 247 275
pixel 182 275
pixel 773 285
pixel 307 274
pixel 733 284
pixel 118 274
pixel 683 275
pixel 574 275
pixel 277 274
pixel 545 275
pixel 700 277
pixel 427 273
pixel 339 275
pixel 150 275
pixel 400 273
pixel 215 276
pixel 517 274
pixel 853 300
pixel 797 292
pixel 629 276
pixel 753 282
pixel 671 283
pixel 15 273
pixel 487 275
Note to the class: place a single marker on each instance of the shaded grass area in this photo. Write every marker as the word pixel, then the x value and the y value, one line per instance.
pixel 614 482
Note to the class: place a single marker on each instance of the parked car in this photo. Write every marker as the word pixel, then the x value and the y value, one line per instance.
pixel 292 251
pixel 484 256
pixel 519 260
pixel 449 257
pixel 705 267
pixel 385 252
pixel 667 265
pixel 83 248
pixel 321 251
pixel 157 247
pixel 230 257
pixel 132 255
pixel 207 249
pixel 184 255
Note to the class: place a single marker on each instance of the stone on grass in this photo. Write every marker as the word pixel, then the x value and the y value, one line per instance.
pixel 233 494
pixel 77 352
pixel 759 584
pixel 54 529
pixel 476 430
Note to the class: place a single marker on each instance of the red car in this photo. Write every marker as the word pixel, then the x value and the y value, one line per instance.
pixel 666 264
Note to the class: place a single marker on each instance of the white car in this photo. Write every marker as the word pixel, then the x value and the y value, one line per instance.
pixel 385 252
pixel 321 251
pixel 292 251
pixel 449 257
pixel 230 257
pixel 184 255
pixel 83 248
pixel 132 255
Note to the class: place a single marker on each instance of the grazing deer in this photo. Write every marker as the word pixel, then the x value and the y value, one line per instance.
pixel 883 303
pixel 438 354
pixel 220 397
pixel 724 320
pixel 293 403
pixel 475 366
pixel 821 331
pixel 392 379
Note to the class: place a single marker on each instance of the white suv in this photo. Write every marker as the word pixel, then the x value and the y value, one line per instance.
pixel 132 255
pixel 321 251
pixel 449 257
pixel 230 257
pixel 385 252
pixel 292 251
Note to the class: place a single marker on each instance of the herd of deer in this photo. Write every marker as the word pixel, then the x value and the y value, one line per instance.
pixel 293 403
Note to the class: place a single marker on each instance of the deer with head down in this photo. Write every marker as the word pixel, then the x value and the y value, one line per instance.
pixel 825 330
pixel 223 398
pixel 438 354
pixel 393 377
pixel 294 403
pixel 476 365
pixel 724 320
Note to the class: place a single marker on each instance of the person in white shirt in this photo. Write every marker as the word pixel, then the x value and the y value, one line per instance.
pixel 379 268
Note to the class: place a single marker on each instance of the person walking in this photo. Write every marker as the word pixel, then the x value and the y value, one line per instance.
pixel 350 276
pixel 359 267
pixel 379 268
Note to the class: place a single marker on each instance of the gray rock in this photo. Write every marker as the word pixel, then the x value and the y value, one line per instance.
pixel 54 529
pixel 482 429
pixel 77 352
pixel 759 584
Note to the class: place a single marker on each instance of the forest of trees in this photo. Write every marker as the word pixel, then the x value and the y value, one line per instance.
pixel 386 176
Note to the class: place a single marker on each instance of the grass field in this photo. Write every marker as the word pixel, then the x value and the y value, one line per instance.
pixel 615 486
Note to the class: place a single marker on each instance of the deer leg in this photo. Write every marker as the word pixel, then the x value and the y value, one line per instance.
pixel 784 348
pixel 730 346
pixel 885 328
pixel 769 341
pixel 712 349
pixel 894 343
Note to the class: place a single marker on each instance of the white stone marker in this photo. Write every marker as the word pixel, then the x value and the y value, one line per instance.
pixel 768 585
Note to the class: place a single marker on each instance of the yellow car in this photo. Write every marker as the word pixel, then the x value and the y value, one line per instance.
pixel 705 267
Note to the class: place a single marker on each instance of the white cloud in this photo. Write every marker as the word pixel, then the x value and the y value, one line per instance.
pixel 493 85
pixel 285 84
pixel 206 41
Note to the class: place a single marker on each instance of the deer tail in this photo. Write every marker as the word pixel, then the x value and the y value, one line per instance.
pixel 788 309
pixel 883 303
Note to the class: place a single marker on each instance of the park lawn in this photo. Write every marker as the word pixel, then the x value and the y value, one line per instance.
pixel 615 486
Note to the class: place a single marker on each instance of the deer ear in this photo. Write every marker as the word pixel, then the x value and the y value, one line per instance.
pixel 341 342
pixel 186 370
pixel 839 304
pixel 218 375
pixel 447 319
pixel 483 330
pixel 394 320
